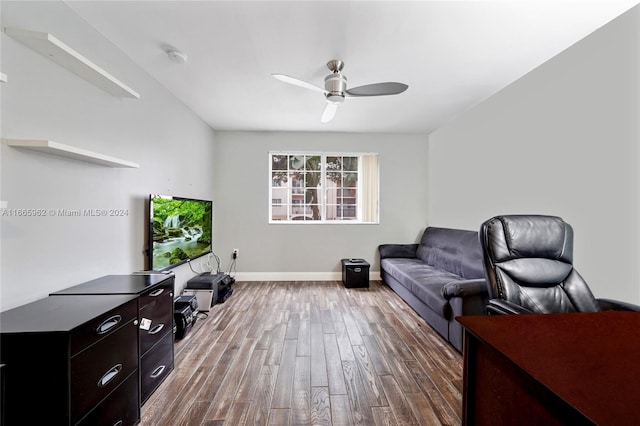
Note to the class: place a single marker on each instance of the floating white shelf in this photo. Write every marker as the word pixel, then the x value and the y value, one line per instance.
pixel 57 51
pixel 3 77
pixel 55 148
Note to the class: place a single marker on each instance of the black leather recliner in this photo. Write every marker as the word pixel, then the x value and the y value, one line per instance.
pixel 529 267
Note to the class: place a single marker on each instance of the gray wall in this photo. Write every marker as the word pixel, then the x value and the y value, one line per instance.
pixel 45 101
pixel 299 251
pixel 562 140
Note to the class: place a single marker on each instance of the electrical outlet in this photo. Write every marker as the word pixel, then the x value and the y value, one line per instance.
pixel 235 253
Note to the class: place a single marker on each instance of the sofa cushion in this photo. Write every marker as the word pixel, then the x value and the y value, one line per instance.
pixel 424 281
pixel 453 250
pixel 397 250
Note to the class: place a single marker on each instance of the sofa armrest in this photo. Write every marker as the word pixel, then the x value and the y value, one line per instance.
pixel 617 305
pixel 398 250
pixel 502 307
pixel 464 288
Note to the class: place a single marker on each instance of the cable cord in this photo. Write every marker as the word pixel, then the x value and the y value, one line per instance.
pixel 193 270
pixel 213 256
pixel 191 267
pixel 232 268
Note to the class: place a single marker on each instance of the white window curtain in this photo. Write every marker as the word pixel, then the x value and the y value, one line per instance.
pixel 370 182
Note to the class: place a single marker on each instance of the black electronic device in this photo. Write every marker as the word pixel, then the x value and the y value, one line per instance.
pixel 228 280
pixel 186 300
pixel 210 289
pixel 185 314
pixel 184 319
pixel 224 293
pixel 207 281
pixel 224 288
pixel 179 230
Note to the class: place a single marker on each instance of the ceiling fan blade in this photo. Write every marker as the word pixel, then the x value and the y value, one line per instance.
pixel 329 112
pixel 377 89
pixel 298 82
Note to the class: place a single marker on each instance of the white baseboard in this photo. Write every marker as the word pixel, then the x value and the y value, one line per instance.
pixel 296 276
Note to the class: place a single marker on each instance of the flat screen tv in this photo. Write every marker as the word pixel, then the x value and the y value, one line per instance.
pixel 179 230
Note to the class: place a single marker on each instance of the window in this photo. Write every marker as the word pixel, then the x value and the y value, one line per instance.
pixel 323 187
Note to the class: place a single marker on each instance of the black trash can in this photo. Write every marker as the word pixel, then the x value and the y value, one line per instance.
pixel 355 273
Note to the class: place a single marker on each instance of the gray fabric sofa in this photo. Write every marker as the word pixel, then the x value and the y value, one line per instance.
pixel 440 278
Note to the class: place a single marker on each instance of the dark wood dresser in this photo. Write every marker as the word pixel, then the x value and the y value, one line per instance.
pixel 71 361
pixel 154 293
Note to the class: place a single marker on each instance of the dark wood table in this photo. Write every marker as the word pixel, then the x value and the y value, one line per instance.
pixel 555 369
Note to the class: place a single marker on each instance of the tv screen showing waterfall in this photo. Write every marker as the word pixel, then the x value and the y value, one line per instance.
pixel 180 230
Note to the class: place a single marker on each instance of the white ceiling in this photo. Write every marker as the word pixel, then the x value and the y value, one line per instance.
pixel 452 54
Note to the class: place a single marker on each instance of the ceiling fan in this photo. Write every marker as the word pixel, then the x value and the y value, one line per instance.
pixel 335 88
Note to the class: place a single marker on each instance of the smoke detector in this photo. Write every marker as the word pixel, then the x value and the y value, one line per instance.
pixel 177 56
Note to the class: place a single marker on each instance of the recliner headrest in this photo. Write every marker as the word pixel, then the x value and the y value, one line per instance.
pixel 517 236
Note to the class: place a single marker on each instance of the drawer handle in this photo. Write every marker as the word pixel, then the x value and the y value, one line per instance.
pixel 109 375
pixel 157 372
pixel 157 292
pixel 108 324
pixel 357 269
pixel 156 329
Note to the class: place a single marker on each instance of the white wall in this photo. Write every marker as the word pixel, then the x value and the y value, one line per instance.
pixel 562 140
pixel 308 251
pixel 45 101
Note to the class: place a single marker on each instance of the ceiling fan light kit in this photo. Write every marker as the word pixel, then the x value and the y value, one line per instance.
pixel 335 88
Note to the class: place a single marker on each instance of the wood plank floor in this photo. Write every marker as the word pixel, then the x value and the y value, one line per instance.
pixel 310 353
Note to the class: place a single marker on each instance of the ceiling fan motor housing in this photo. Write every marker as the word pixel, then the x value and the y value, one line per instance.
pixel 335 88
pixel 335 85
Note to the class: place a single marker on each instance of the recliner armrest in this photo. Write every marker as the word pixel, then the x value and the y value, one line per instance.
pixel 398 250
pixel 464 288
pixel 616 305
pixel 502 307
